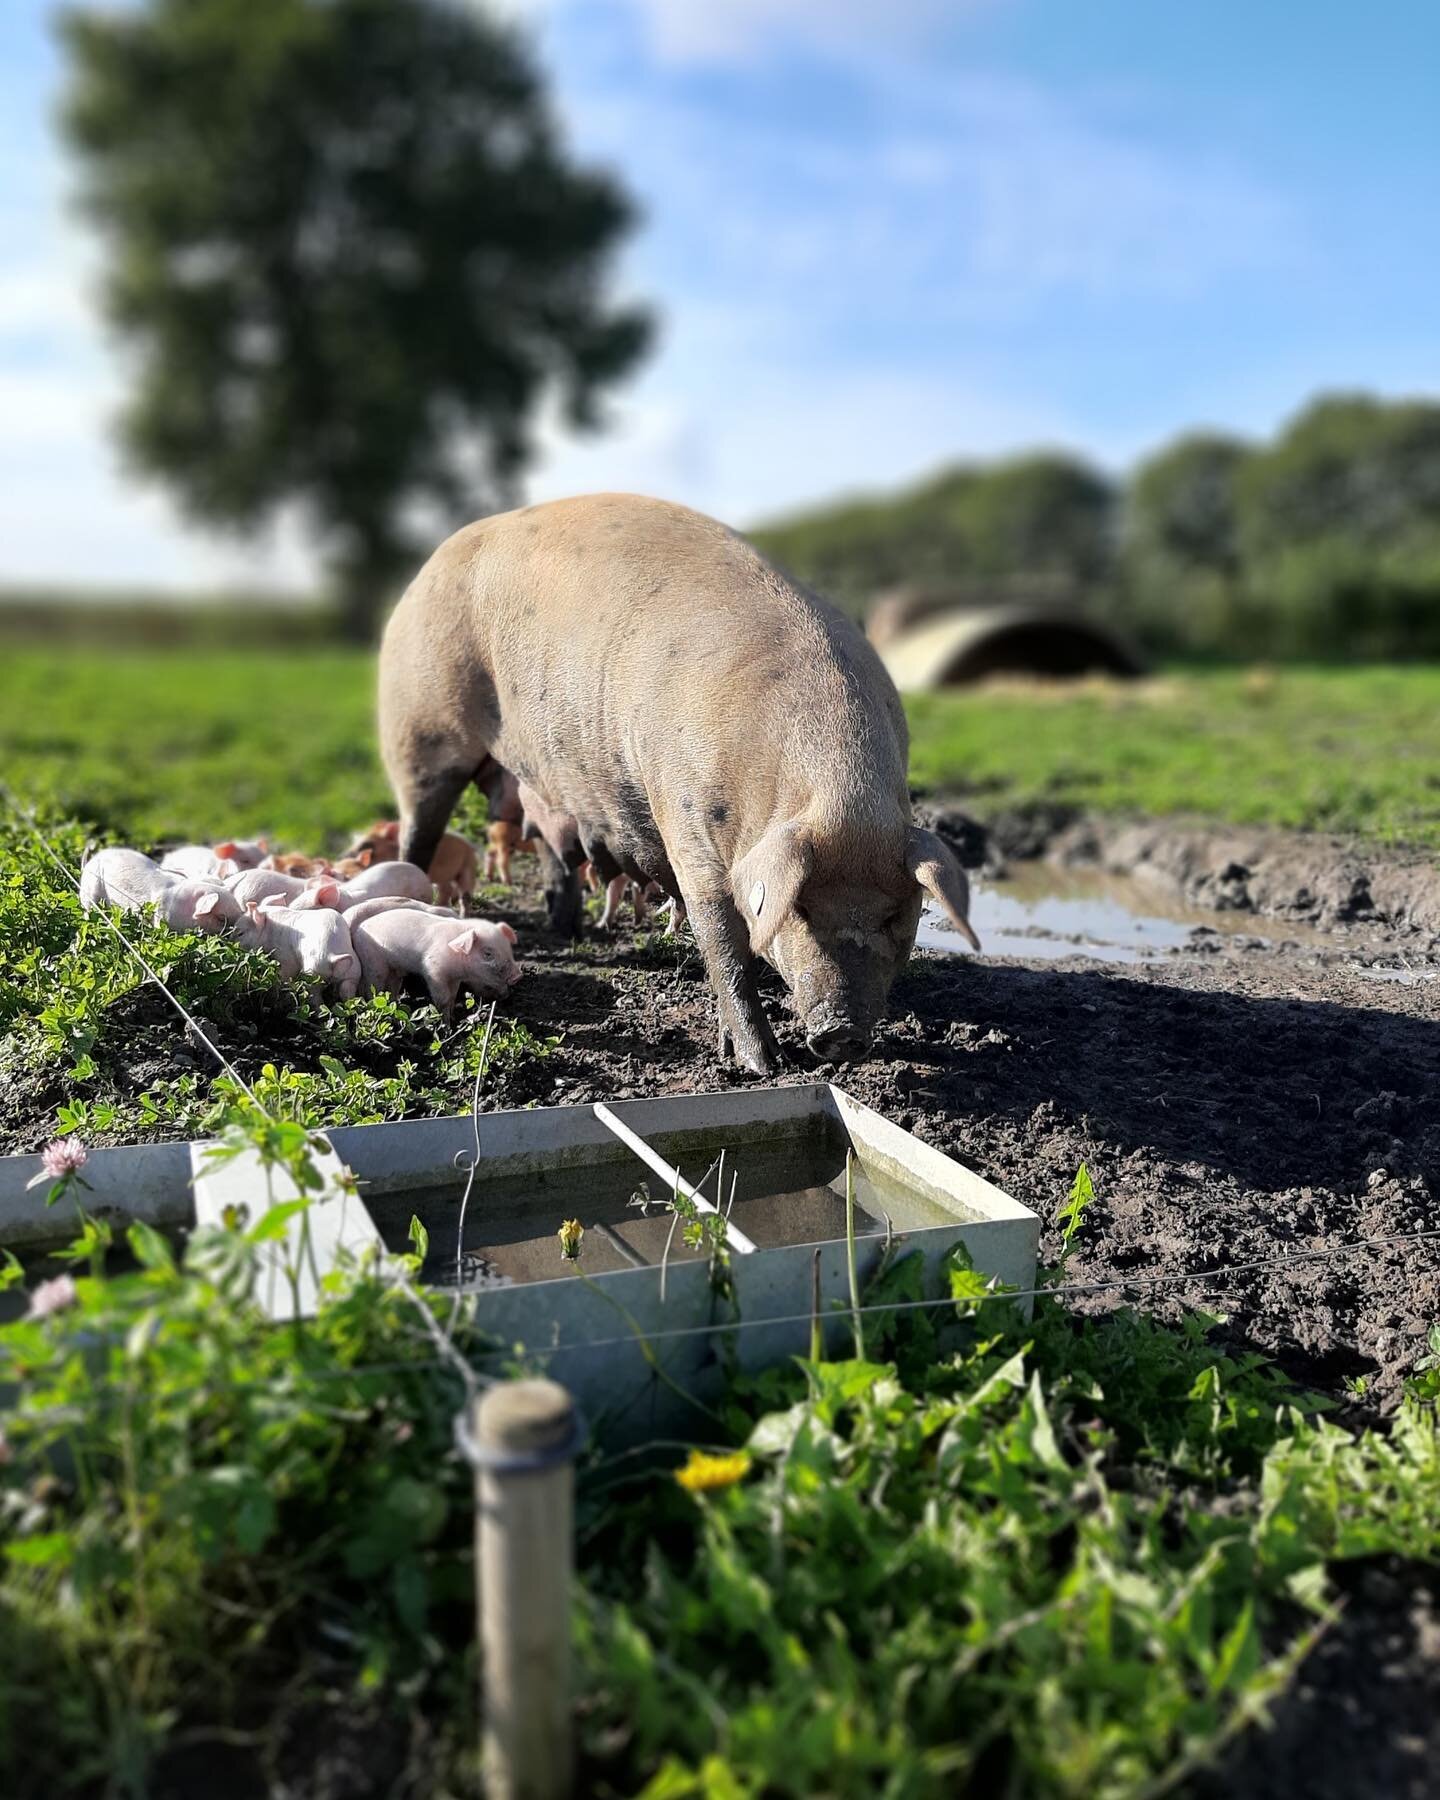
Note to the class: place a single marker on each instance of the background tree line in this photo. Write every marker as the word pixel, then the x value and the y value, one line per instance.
pixel 1323 543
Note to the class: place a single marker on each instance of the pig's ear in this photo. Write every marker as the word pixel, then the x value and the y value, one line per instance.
pixel 465 943
pixel 338 964
pixel 389 830
pixel 365 858
pixel 933 865
pixel 256 913
pixel 326 893
pixel 206 904
pixel 508 932
pixel 225 849
pixel 767 882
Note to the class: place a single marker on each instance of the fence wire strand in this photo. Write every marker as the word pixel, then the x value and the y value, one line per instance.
pixel 839 1308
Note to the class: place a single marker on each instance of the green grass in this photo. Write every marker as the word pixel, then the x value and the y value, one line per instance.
pixel 203 742
pixel 1347 750
pixel 194 744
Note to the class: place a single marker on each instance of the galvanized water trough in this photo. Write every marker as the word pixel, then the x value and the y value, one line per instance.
pixel 782 1183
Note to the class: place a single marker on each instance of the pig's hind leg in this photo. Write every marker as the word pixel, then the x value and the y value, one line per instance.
pixel 427 799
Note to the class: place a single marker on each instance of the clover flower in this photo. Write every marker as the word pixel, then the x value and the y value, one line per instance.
pixel 53 1297
pixel 60 1160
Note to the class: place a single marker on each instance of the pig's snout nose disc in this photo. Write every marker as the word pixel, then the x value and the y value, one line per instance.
pixel 839 1043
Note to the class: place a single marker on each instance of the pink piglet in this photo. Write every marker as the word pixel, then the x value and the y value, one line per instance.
pixel 447 954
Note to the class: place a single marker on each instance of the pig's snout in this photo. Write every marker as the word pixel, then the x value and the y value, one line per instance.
pixel 836 1039
pixel 515 974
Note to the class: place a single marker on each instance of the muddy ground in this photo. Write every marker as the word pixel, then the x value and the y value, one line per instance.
pixel 1246 1100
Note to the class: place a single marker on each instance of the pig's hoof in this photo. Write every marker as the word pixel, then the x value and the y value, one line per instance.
pixel 566 916
pixel 753 1050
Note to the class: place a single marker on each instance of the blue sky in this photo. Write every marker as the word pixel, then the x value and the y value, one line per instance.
pixel 881 234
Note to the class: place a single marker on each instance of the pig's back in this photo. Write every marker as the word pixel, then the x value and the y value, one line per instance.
pixel 615 630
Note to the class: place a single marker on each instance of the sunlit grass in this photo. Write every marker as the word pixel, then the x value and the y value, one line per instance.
pixel 193 742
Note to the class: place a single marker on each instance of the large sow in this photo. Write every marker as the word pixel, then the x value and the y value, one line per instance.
pixel 701 720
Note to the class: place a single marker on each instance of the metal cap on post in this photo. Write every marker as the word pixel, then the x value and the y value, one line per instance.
pixel 525 1440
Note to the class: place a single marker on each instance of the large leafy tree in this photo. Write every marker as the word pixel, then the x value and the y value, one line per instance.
pixel 350 260
pixel 1045 519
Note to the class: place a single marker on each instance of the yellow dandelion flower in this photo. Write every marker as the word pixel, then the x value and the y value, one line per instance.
pixel 571 1235
pixel 704 1472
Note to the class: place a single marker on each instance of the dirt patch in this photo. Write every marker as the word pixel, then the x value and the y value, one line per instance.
pixel 1363 1717
pixel 1230 1111
pixel 1247 1108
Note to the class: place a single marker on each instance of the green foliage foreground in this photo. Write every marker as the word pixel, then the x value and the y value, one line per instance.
pixel 1054 1557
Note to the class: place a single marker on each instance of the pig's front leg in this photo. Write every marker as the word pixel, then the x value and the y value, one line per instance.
pixel 376 974
pixel 725 945
pixel 444 990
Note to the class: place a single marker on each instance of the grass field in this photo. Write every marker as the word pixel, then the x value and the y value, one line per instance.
pixel 1058 1557
pixel 180 745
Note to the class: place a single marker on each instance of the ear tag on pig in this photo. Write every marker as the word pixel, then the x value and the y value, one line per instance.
pixel 757 898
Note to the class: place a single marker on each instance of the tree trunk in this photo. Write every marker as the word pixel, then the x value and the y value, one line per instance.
pixel 368 581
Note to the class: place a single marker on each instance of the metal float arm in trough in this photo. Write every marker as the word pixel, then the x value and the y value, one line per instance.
pixel 734 1236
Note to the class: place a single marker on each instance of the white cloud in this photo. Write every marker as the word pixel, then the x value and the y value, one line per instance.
pixel 742 30
pixel 977 199
pixel 69 516
pixel 839 300
pixel 40 299
pixel 746 437
pixel 1062 199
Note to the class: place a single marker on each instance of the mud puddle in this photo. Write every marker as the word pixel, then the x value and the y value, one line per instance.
pixel 1044 913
